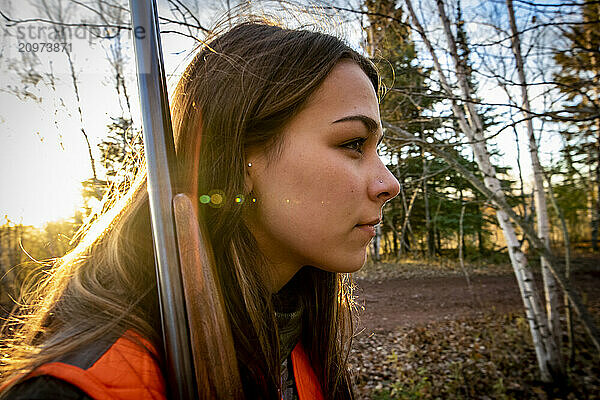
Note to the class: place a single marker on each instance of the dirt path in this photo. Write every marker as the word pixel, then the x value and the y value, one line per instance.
pixel 396 302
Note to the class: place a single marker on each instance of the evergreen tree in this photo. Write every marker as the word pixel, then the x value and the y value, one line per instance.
pixel 405 101
pixel 408 103
pixel 579 79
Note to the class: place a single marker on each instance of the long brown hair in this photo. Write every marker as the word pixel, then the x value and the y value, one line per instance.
pixel 237 94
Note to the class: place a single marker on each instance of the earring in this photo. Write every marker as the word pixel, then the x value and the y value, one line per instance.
pixel 380 181
pixel 249 164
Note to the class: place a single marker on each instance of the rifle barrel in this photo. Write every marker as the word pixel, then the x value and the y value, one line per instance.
pixel 160 159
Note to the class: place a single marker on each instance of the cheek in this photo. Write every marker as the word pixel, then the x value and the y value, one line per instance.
pixel 320 194
pixel 311 209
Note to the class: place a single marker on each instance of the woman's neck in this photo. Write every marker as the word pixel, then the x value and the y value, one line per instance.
pixel 279 275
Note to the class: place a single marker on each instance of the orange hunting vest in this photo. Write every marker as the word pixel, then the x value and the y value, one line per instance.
pixel 128 371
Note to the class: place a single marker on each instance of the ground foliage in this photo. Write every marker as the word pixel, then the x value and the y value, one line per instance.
pixel 488 357
pixel 422 268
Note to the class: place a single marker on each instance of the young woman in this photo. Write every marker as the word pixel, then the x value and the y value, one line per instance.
pixel 287 120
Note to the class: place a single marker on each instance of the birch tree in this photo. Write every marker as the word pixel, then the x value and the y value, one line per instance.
pixel 543 225
pixel 470 123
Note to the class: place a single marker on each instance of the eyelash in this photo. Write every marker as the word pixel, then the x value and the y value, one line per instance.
pixel 356 145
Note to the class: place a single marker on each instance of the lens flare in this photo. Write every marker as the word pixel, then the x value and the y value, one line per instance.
pixel 205 199
pixel 217 198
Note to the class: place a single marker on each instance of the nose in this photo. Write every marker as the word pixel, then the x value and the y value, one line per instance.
pixel 383 184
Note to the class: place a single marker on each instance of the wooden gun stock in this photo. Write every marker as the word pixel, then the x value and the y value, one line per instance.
pixel 217 373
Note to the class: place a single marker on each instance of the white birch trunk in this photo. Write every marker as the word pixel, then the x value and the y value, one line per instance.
pixel 543 226
pixel 471 125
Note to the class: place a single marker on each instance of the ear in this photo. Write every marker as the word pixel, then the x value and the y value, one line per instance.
pixel 248 181
pixel 254 168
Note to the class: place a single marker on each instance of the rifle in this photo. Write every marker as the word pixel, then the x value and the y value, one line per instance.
pixel 198 345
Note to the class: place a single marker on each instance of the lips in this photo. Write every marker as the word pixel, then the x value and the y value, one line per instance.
pixel 369 227
pixel 374 221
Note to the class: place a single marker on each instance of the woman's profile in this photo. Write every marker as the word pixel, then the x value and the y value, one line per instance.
pixel 284 124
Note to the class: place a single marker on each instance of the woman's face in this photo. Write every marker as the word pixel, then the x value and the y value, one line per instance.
pixel 318 199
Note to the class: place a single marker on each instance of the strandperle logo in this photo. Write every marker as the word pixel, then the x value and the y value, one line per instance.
pixel 67 34
pixel 45 38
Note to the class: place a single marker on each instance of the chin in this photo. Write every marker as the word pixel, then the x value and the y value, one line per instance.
pixel 359 266
pixel 350 265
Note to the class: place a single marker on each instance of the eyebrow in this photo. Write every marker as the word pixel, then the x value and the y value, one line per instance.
pixel 369 123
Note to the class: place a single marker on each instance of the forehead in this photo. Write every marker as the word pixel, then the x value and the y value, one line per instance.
pixel 346 92
pixel 347 89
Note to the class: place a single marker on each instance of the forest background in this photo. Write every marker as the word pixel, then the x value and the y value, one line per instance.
pixel 491 112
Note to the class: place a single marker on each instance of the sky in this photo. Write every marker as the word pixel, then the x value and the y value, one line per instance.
pixel 43 155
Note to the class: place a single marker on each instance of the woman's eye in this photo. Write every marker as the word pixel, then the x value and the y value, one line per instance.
pixel 356 145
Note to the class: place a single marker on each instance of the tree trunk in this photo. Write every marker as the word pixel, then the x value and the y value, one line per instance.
pixel 567 244
pixel 543 226
pixel 471 125
pixel 460 248
pixel 395 233
pixel 403 238
pixel 377 243
pixel 58 14
pixel 428 230
pixel 80 112
pixel 596 205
